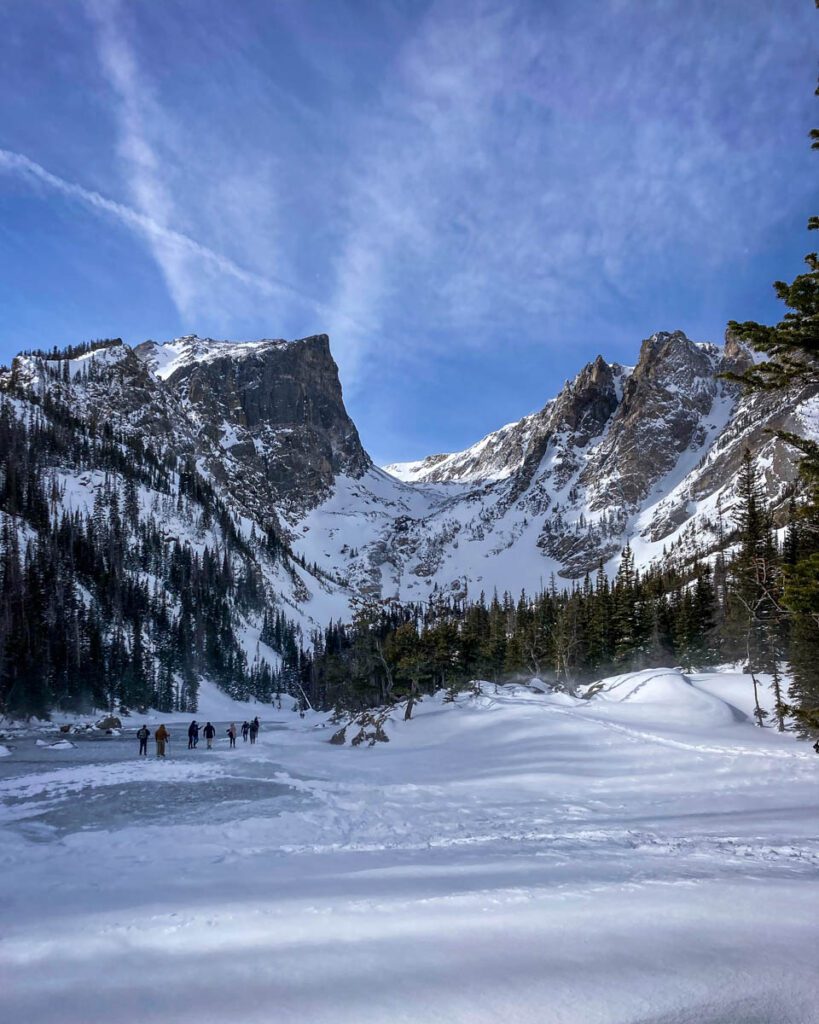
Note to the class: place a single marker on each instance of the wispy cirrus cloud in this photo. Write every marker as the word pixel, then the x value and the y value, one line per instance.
pixel 178 172
pixel 195 275
pixel 171 243
pixel 135 110
pixel 175 246
pixel 536 164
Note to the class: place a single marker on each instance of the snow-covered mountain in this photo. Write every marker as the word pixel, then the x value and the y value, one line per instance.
pixel 647 454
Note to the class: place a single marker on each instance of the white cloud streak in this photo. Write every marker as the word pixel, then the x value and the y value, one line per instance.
pixel 157 234
pixel 524 163
pixel 232 196
pixel 175 245
pixel 136 108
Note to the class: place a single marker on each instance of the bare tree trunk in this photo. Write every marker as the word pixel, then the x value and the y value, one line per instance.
pixel 760 714
pixel 415 687
pixel 386 691
pixel 780 709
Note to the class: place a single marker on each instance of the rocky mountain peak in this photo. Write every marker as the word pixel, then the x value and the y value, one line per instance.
pixel 670 360
pixel 664 401
pixel 585 404
pixel 274 407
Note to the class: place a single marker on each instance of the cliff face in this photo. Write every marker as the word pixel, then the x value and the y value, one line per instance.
pixel 274 409
pixel 664 405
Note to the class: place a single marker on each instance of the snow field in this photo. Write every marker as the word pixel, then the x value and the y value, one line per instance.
pixel 647 855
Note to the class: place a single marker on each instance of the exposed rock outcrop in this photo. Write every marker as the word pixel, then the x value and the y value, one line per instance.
pixel 274 408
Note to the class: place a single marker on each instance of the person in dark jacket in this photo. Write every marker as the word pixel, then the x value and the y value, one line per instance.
pixel 254 730
pixel 245 730
pixel 143 736
pixel 210 732
pixel 193 735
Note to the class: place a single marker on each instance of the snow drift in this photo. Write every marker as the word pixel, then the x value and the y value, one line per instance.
pixel 643 855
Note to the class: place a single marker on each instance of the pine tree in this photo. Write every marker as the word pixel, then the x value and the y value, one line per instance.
pixel 756 583
pixel 792 370
pixel 625 612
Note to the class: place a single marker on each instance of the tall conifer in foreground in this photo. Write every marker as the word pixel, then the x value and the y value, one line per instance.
pixel 792 370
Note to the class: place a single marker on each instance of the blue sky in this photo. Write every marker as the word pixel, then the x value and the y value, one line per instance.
pixel 472 199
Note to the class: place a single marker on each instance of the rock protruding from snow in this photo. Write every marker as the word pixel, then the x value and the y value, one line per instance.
pixel 166 358
pixel 109 722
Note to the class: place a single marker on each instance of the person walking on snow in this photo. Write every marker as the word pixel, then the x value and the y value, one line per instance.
pixel 254 729
pixel 161 736
pixel 232 734
pixel 193 735
pixel 142 735
pixel 245 730
pixel 210 732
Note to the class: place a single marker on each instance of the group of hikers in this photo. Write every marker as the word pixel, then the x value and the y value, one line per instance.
pixel 249 730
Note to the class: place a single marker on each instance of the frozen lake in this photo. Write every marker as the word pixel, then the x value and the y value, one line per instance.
pixel 647 857
pixel 100 783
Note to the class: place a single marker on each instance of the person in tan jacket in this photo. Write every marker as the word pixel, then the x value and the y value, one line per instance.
pixel 161 736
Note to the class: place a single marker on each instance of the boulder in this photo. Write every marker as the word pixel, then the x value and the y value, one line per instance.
pixel 108 723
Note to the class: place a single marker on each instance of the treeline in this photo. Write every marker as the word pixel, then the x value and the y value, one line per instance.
pixel 724 608
pixel 105 607
pixel 84 348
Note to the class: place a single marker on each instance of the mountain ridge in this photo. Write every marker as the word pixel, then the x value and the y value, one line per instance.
pixel 207 511
pixel 644 455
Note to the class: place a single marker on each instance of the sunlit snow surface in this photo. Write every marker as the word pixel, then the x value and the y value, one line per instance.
pixel 647 855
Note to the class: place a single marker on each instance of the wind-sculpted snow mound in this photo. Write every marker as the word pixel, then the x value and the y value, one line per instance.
pixel 663 694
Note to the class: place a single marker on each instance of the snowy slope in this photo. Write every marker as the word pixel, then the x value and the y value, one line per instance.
pixel 646 454
pixel 495 457
pixel 646 856
pixel 166 358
